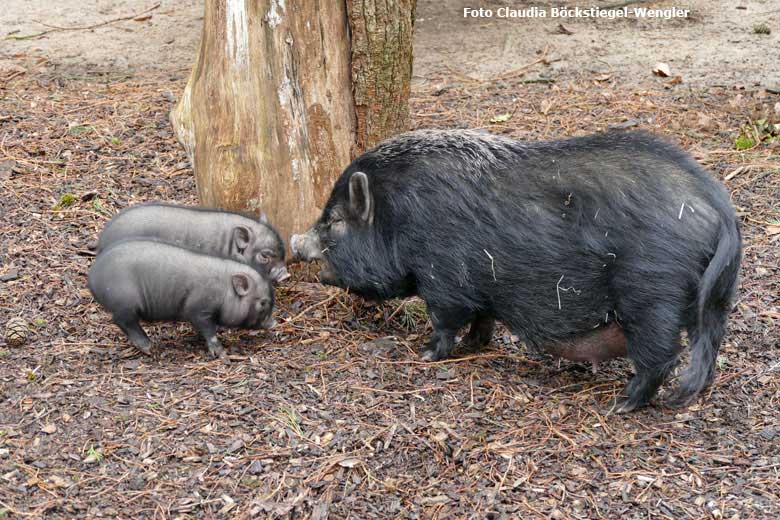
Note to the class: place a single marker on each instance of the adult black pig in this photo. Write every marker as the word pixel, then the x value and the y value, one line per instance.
pixel 147 280
pixel 551 238
pixel 216 232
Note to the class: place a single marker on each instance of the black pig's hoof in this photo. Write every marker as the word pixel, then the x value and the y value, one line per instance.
pixel 479 335
pixel 620 405
pixel 429 355
pixel 218 351
pixel 679 400
pixel 472 342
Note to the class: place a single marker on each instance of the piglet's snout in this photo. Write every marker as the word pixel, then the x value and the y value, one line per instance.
pixel 279 274
pixel 269 322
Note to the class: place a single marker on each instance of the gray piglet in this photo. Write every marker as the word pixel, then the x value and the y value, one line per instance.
pixel 215 232
pixel 147 280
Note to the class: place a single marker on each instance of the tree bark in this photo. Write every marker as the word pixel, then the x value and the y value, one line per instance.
pixel 381 67
pixel 269 117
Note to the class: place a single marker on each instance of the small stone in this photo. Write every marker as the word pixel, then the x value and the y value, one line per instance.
pixel 444 375
pixel 11 275
pixel 256 468
pixel 236 444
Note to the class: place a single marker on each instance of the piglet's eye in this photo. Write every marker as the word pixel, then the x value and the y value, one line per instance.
pixel 263 257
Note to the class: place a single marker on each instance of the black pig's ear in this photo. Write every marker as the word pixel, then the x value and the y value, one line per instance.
pixel 241 284
pixel 360 199
pixel 241 237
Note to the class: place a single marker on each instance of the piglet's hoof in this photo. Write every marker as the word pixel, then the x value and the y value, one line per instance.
pixel 144 348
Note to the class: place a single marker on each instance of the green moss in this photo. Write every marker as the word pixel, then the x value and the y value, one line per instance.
pixel 80 129
pixel 66 200
pixel 744 142
pixel 762 28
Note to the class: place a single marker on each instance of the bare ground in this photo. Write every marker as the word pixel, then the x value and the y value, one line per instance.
pixel 716 44
pixel 333 415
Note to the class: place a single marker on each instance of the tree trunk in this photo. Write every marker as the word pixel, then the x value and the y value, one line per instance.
pixel 268 116
pixel 381 66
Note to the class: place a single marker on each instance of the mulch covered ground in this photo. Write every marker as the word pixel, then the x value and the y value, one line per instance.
pixel 333 415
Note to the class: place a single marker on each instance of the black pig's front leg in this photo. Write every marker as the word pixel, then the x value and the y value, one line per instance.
pixel 445 325
pixel 480 333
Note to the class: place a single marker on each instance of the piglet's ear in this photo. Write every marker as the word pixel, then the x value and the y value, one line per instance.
pixel 241 237
pixel 263 218
pixel 360 200
pixel 241 284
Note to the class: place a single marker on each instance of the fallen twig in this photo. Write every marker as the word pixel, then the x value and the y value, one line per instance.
pixel 55 28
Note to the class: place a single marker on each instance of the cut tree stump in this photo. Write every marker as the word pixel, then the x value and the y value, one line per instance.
pixel 280 100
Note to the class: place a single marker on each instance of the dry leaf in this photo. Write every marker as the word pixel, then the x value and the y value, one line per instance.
pixel 676 80
pixel 563 30
pixel 704 121
pixel 503 118
pixel 662 69
pixel 58 481
pixel 603 77
pixel 349 462
pixel 437 500
pixel 49 428
pixel 229 504
pixel 142 18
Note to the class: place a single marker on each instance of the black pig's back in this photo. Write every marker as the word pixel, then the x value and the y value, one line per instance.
pixel 535 233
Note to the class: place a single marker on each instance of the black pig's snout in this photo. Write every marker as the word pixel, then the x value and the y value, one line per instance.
pixel 306 247
pixel 295 246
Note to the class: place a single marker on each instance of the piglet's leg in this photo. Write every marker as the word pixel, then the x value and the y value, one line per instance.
pixel 135 334
pixel 208 329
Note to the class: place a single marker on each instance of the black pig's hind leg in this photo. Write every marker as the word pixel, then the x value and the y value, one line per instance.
pixel 135 334
pixel 653 345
